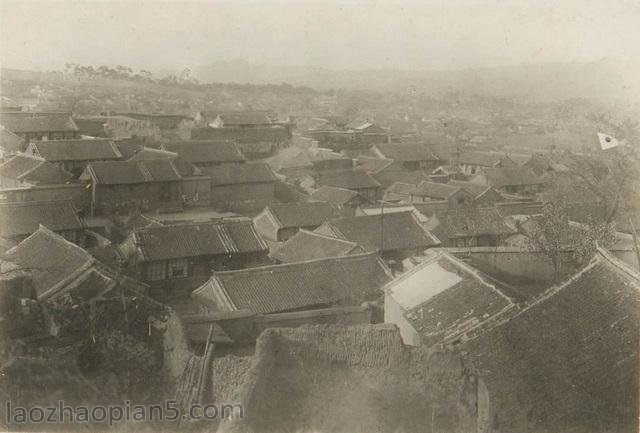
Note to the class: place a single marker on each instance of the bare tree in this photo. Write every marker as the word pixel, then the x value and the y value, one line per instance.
pixel 561 241
pixel 613 175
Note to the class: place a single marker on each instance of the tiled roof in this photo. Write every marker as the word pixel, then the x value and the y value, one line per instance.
pixel 304 285
pixel 91 127
pixel 398 230
pixel 471 222
pixel 231 118
pixel 34 170
pixel 394 208
pixel 349 179
pixel 406 152
pixel 484 159
pixel 442 149
pixel 322 154
pixel 214 113
pixel 49 258
pixel 435 190
pixel 19 165
pixel 57 266
pixel 228 174
pixel 75 150
pixel 128 172
pixel 443 297
pixel 302 214
pixel 389 177
pixel 505 176
pixel 163 121
pixel 259 135
pixel 205 151
pixel 9 141
pixel 290 157
pixel 287 193
pixel 19 219
pixel 129 147
pixel 184 167
pixel 109 254
pixel 428 208
pixel 525 141
pixel 372 164
pixel 520 158
pixel 446 169
pixel 139 221
pixel 474 188
pixel 570 357
pixel 332 194
pixel 37 122
pixel 191 240
pixel 367 127
pixel 400 188
pixel 358 124
pixel 306 245
pixel 145 153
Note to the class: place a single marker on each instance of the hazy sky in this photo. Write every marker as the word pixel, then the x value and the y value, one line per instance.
pixel 344 35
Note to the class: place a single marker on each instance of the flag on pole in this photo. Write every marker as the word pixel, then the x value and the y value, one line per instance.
pixel 607 141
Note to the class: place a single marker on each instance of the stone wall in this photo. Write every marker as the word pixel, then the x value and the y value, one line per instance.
pixel 346 379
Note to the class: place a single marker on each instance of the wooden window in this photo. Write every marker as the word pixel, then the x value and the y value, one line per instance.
pixel 178 268
pixel 156 271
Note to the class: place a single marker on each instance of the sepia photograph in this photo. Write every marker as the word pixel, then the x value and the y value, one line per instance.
pixel 305 216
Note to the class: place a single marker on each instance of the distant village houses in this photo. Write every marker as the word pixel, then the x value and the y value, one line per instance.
pixel 456 197
pixel 510 180
pixel 409 156
pixel 117 127
pixel 473 161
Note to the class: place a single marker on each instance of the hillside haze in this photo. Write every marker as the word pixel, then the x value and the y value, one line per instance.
pixel 603 80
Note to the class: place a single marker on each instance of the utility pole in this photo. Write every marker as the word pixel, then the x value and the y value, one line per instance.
pixel 382 202
pixel 635 241
pixel 381 225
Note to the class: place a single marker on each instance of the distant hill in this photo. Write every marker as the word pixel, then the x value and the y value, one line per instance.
pixel 23 75
pixel 603 80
